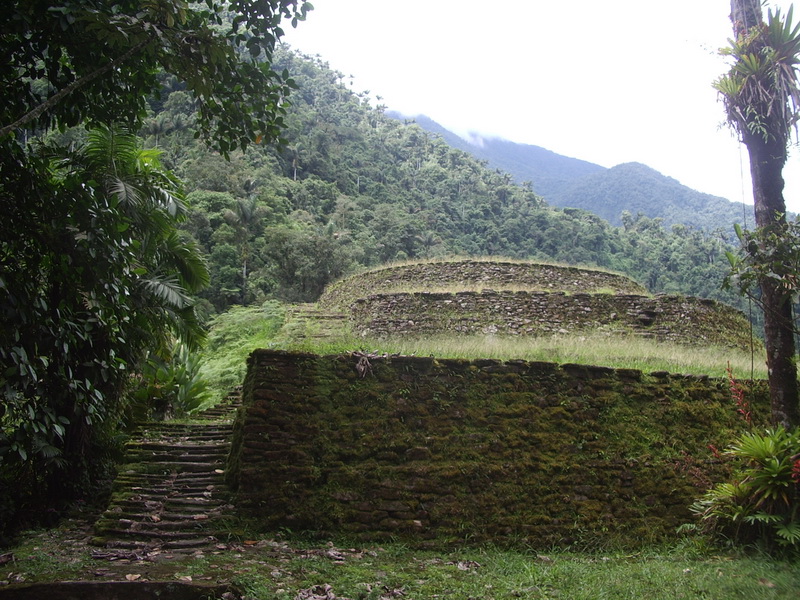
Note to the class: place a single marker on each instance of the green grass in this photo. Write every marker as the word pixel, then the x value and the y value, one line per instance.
pixel 269 569
pixel 394 571
pixel 600 350
pixel 232 337
pixel 461 287
pixel 486 259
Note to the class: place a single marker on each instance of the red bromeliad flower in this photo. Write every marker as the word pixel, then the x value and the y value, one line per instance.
pixel 715 451
pixel 737 393
pixel 796 471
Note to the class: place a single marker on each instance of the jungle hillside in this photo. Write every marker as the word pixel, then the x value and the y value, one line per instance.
pixel 351 188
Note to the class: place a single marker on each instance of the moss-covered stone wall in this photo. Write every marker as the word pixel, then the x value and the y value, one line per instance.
pixel 672 318
pixel 497 274
pixel 433 451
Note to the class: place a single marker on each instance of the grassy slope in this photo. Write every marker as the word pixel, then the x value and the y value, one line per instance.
pixel 236 333
pixel 232 337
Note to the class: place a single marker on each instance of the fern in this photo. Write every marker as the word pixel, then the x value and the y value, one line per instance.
pixel 763 500
pixel 788 533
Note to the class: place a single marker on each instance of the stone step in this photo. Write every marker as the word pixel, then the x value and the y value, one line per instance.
pixel 200 437
pixel 166 466
pixel 197 440
pixel 177 456
pixel 221 413
pixel 183 527
pixel 166 488
pixel 152 534
pixel 198 499
pixel 145 494
pixel 176 546
pixel 180 451
pixel 134 479
pixel 197 431
pixel 131 515
pixel 158 446
pixel 127 510
pixel 138 481
pixel 171 493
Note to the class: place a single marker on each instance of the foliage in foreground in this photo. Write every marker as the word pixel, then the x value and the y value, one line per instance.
pixel 93 271
pixel 95 275
pixel 169 386
pixel 762 501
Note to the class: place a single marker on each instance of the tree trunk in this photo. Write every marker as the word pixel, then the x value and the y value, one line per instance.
pixel 244 279
pixel 768 155
pixel 744 15
pixel 767 159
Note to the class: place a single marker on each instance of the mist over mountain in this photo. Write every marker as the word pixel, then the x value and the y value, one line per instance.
pixel 570 182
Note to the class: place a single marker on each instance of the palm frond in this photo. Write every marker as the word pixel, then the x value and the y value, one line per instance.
pixel 168 290
pixel 124 191
pixel 182 254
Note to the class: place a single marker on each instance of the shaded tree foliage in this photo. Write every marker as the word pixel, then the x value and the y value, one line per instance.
pixel 94 272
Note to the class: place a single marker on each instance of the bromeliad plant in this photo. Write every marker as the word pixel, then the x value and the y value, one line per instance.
pixel 762 501
pixel 169 386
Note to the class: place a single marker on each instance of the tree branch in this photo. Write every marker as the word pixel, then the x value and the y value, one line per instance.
pixel 63 93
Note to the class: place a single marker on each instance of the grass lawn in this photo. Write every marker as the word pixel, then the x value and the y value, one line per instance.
pixel 264 568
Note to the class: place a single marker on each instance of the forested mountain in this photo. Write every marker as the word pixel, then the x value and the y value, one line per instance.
pixel 352 188
pixel 637 188
pixel 608 193
pixel 546 170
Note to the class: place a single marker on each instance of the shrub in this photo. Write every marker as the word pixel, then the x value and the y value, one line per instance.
pixel 171 387
pixel 761 502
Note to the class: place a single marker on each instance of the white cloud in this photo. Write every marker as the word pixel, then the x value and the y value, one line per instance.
pixel 608 82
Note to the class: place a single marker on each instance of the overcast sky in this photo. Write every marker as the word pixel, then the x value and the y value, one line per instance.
pixel 607 82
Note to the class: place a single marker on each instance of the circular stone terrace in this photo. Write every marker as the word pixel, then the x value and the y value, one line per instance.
pixel 516 298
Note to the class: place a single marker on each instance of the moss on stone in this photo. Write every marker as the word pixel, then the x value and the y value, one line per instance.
pixel 426 449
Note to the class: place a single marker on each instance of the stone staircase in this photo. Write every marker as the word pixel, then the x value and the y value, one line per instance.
pixel 171 493
pixel 309 321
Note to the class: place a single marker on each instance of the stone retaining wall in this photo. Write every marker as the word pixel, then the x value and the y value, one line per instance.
pixel 437 451
pixel 671 318
pixel 435 276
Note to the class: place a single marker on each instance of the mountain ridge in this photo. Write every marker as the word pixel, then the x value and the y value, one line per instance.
pixel 568 182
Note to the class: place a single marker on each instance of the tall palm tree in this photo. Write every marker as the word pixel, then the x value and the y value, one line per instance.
pixel 762 97
pixel 245 217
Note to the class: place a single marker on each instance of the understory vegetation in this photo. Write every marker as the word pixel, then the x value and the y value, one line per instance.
pixel 288 568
